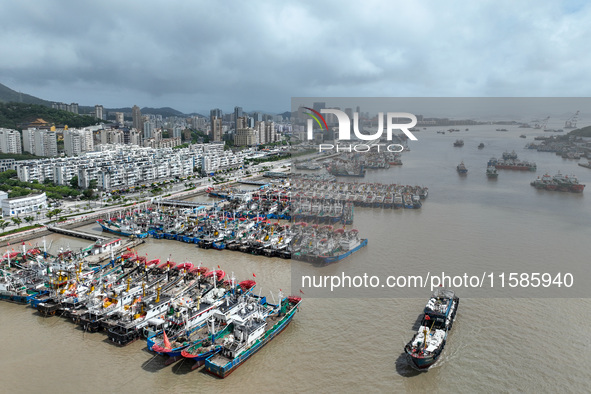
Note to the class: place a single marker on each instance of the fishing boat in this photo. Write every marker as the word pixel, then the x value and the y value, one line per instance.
pixel 514 164
pixel 249 336
pixel 510 155
pixel 559 182
pixel 481 145
pixel 461 168
pixel 425 348
pixel 123 230
pixel 491 172
pixel 459 143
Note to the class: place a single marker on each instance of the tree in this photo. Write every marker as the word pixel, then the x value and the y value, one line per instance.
pixel 74 181
pixel 92 184
pixel 29 219
pixel 3 224
pixel 17 221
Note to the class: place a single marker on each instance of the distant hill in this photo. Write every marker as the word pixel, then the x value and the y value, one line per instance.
pixel 8 95
pixel 165 111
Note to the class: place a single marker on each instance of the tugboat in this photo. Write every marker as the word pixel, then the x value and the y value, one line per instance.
pixel 491 172
pixel 462 169
pixel 427 344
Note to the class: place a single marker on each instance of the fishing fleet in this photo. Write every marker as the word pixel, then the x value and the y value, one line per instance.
pixel 181 310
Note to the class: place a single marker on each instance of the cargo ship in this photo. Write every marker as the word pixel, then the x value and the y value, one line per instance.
pixel 426 346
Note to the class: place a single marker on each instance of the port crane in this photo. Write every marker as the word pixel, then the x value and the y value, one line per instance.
pixel 571 123
pixel 542 124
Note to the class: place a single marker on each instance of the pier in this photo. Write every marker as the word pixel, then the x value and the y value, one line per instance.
pixel 77 234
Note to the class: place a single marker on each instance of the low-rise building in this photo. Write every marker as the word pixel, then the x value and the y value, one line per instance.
pixel 26 205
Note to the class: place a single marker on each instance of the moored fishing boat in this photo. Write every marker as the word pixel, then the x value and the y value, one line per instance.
pixel 251 335
pixel 123 230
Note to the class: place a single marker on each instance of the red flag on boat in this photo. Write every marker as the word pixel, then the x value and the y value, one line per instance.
pixel 166 341
pixel 427 317
pixel 302 291
pixel 254 275
pixel 129 250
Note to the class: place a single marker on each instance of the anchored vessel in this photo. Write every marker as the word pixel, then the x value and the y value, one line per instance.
pixel 462 168
pixel 559 182
pixel 427 344
pixel 491 172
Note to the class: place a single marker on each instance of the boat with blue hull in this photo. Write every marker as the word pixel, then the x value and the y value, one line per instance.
pixel 112 227
pixel 250 336
pixel 325 260
pixel 328 252
pixel 427 344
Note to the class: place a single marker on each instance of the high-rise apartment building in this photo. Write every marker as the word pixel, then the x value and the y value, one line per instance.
pixel 77 142
pixel 10 141
pixel 119 117
pixel 237 115
pixel 136 116
pixel 216 129
pixel 245 137
pixel 99 112
pixel 45 143
pixel 148 130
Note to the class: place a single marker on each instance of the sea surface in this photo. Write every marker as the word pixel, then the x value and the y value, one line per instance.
pixel 501 342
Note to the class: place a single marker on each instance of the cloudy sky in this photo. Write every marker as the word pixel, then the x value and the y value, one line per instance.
pixel 197 55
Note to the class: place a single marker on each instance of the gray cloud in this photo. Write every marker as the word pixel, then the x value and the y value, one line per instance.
pixel 198 55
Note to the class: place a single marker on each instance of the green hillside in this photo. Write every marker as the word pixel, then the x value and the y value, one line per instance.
pixel 16 115
pixel 584 132
pixel 8 95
